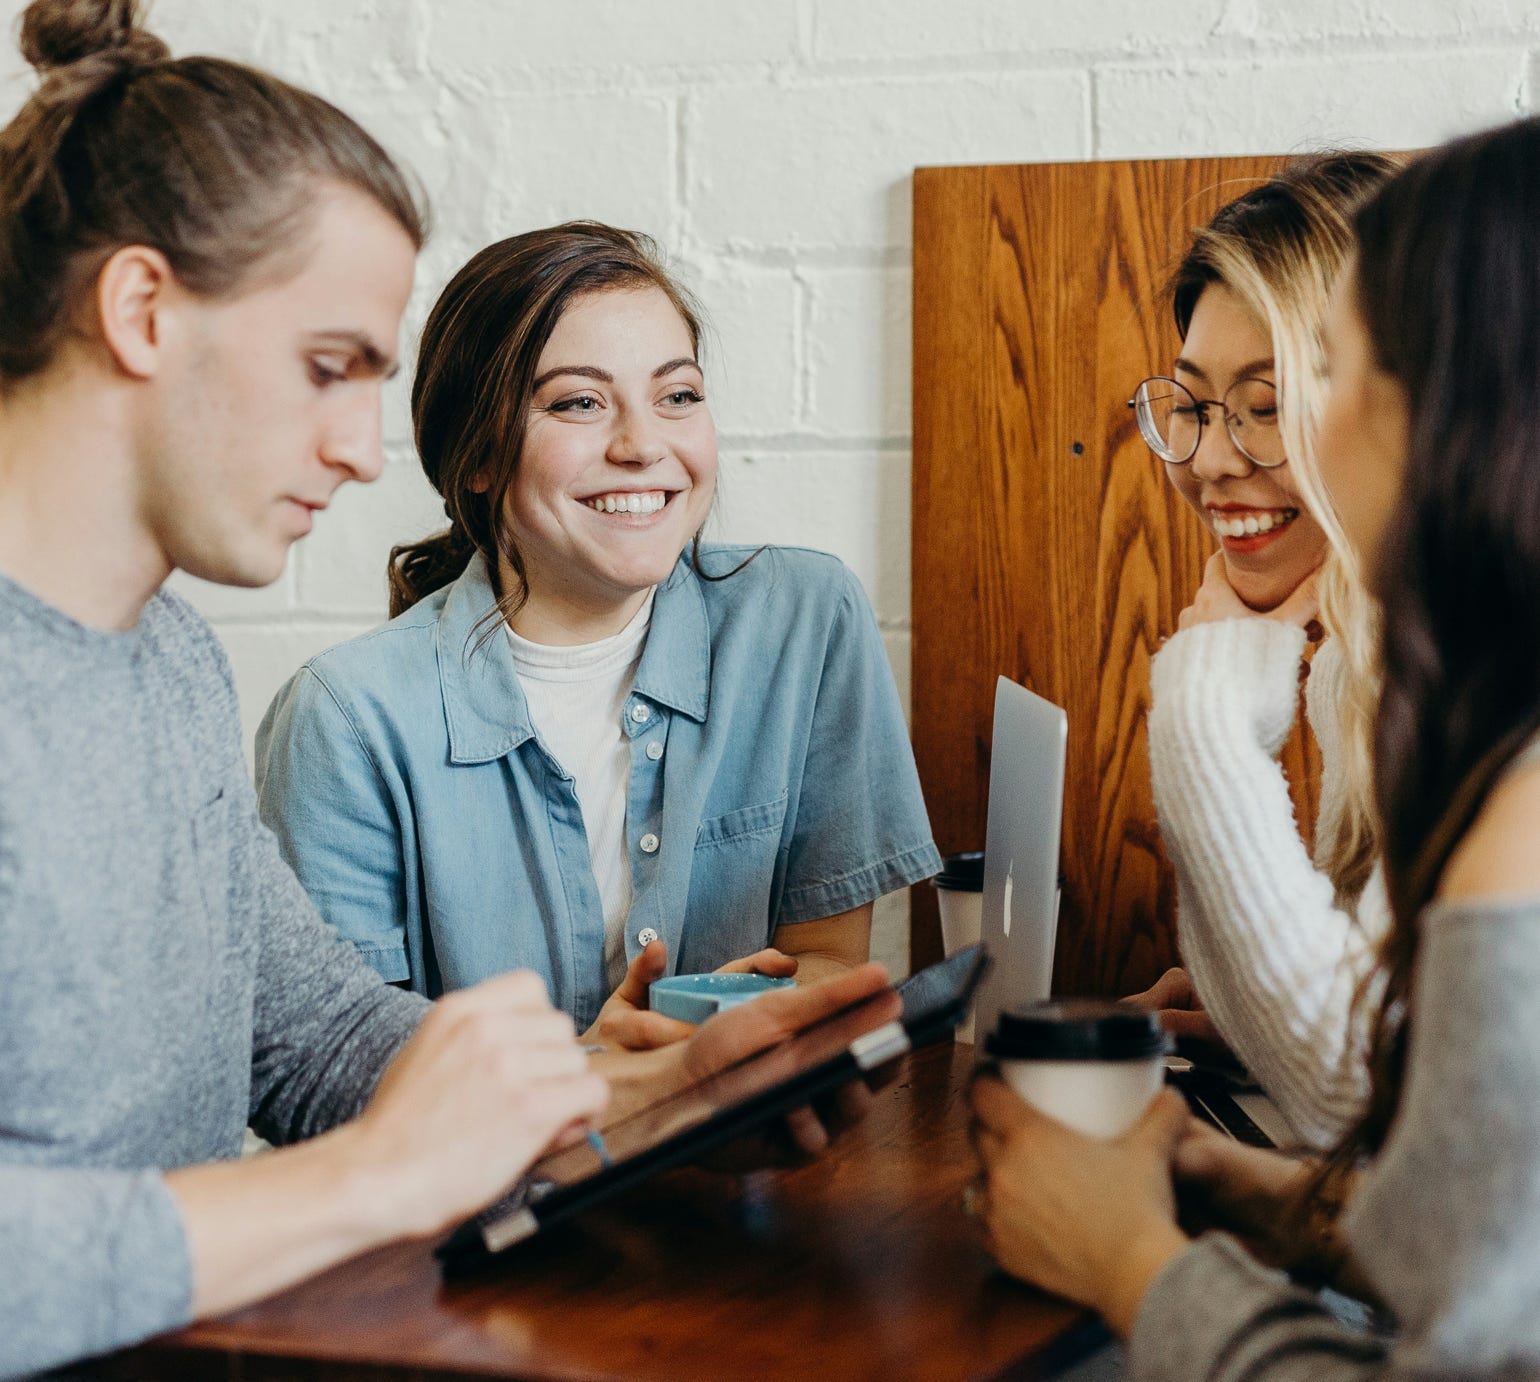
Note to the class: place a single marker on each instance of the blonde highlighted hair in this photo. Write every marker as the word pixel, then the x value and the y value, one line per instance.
pixel 1279 248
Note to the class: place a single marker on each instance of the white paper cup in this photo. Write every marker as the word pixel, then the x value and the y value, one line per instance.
pixel 960 895
pixel 962 919
pixel 1093 1066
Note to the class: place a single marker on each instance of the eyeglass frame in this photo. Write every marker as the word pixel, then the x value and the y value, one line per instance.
pixel 1201 407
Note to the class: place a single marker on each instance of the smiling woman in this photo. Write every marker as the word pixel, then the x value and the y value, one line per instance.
pixel 588 743
pixel 1235 471
pixel 618 466
pixel 1276 938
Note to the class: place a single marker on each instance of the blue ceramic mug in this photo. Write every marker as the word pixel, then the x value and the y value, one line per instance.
pixel 695 997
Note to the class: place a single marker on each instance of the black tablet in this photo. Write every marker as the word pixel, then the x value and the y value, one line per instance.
pixel 691 1122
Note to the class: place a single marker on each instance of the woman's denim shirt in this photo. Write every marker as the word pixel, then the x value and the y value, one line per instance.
pixel 771 782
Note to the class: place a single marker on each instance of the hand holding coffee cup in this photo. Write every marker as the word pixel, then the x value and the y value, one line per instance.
pixel 1092 1065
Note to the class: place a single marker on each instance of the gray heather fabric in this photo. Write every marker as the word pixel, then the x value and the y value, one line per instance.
pixel 164 977
pixel 1446 1224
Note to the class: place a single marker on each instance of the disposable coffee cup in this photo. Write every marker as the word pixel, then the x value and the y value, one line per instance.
pixel 960 895
pixel 1093 1065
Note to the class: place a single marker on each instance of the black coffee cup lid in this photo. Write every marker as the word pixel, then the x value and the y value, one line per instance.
pixel 962 873
pixel 1077 1029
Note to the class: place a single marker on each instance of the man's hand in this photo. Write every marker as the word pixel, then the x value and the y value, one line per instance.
pixel 626 1022
pixel 492 1077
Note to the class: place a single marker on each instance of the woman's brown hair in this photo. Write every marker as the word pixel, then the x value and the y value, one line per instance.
pixel 475 374
pixel 1448 279
pixel 210 162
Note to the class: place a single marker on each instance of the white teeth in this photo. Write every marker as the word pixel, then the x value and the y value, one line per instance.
pixel 649 502
pixel 1251 524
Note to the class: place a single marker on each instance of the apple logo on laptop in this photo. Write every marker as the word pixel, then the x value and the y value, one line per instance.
pixel 1010 887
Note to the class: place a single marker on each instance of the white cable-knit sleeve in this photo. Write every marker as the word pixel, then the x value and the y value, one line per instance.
pixel 1276 962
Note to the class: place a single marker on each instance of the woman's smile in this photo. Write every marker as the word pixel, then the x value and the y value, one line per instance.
pixel 631 504
pixel 1269 540
pixel 618 464
pixel 1243 528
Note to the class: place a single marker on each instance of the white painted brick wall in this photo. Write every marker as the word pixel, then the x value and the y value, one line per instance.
pixel 768 145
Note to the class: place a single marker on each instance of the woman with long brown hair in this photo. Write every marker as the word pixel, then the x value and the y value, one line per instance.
pixel 590 743
pixel 1430 1205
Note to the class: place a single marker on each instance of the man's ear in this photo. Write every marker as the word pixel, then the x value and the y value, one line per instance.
pixel 131 294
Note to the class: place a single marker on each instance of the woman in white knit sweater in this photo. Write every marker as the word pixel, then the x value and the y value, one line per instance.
pixel 1276 939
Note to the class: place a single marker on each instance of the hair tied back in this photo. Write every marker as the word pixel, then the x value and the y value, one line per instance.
pixel 57 34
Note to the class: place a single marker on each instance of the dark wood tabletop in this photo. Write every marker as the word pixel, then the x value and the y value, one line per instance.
pixel 861 1265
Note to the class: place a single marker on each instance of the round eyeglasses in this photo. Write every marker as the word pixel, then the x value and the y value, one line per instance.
pixel 1171 419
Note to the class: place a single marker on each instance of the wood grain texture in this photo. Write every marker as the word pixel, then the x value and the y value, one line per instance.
pixel 1047 545
pixel 860 1266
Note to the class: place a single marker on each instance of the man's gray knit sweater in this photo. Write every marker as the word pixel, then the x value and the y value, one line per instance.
pixel 165 980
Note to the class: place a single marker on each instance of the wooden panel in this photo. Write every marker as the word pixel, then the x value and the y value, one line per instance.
pixel 1047 545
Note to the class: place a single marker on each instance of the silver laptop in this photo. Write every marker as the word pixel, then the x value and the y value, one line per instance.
pixel 1021 850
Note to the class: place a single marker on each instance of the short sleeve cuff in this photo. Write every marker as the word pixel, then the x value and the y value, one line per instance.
pixel 388 961
pixel 814 901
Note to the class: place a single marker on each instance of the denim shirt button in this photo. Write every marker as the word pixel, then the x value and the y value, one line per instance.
pixel 649 844
pixel 646 936
pixel 640 713
pixel 655 750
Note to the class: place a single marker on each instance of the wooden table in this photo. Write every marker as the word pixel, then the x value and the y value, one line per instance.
pixel 859 1266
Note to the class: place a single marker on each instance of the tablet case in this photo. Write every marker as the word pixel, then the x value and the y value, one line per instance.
pixel 934 1001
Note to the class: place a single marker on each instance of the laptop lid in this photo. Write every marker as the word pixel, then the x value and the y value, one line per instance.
pixel 1021 849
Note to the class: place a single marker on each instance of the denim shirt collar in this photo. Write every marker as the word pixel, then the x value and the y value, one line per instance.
pixel 676 663
pixel 484 705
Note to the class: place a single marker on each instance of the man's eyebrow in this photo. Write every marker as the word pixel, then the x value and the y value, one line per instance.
pixel 587 372
pixel 682 362
pixel 375 360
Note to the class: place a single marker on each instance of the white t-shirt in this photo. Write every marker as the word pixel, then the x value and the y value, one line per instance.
pixel 576 698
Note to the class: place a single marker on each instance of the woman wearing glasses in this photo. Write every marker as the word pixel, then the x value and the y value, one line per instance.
pixel 1275 939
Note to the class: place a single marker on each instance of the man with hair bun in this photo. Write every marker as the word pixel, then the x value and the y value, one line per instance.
pixel 202 275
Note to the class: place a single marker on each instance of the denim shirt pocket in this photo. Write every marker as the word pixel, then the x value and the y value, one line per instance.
pixel 733 880
pixel 741 825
